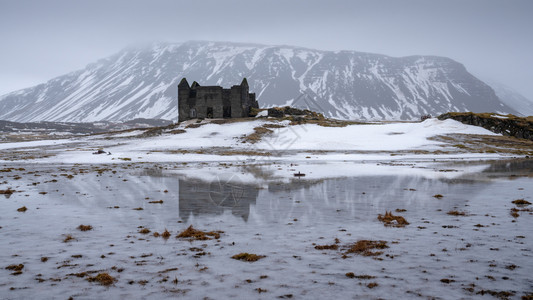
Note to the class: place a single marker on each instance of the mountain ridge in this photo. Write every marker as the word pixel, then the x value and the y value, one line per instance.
pixel 141 82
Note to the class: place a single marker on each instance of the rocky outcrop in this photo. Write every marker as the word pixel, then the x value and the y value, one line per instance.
pixel 509 125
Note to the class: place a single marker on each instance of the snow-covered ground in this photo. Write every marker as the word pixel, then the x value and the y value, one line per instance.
pixel 289 143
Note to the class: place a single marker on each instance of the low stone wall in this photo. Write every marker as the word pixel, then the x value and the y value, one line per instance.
pixel 505 124
pixel 280 112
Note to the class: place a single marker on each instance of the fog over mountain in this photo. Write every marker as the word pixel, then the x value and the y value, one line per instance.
pixel 141 82
pixel 512 98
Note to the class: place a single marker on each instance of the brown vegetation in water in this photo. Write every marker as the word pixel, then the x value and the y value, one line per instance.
pixel 391 220
pixel 456 213
pixel 364 247
pixel 245 153
pixel 68 238
pixel 327 247
pixel 85 227
pixel 7 192
pixel 372 285
pixel 15 267
pixel 521 202
pixel 103 279
pixel 144 231
pixel 165 234
pixel 247 257
pixel 195 234
pixel 22 209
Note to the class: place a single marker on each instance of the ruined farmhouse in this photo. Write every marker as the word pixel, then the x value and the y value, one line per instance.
pixel 197 101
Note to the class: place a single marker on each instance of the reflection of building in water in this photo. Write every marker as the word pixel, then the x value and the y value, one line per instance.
pixel 199 197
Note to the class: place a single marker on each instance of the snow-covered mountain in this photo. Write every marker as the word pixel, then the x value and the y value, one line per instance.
pixel 512 98
pixel 142 83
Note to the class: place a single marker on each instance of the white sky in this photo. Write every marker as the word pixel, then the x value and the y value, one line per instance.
pixel 44 39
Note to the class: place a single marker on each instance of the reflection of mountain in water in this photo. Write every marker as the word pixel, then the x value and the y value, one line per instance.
pixel 198 197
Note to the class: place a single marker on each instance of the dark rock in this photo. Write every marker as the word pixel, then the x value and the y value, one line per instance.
pixel 508 125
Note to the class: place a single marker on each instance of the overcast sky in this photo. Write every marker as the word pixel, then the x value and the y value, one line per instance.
pixel 44 39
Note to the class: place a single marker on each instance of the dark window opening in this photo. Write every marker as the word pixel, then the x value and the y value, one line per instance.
pixel 209 114
pixel 192 113
pixel 226 112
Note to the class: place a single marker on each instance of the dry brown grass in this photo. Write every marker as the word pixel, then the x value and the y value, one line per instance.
pixel 438 196
pixel 22 209
pixel 256 136
pixel 268 125
pixel 103 279
pixel 247 257
pixel 195 234
pixel 391 220
pixel 194 125
pixel 177 131
pixel 364 247
pixel 156 202
pixel 372 285
pixel 487 144
pixel 85 227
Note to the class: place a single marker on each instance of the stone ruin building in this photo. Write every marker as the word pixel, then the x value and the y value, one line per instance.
pixel 197 101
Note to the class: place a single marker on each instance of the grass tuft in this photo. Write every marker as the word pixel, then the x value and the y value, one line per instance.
pixel 327 247
pixel 9 191
pixel 247 257
pixel 144 231
pixel 195 234
pixel 68 238
pixel 456 213
pixel 521 202
pixel 165 234
pixel 103 279
pixel 22 209
pixel 85 227
pixel 391 220
pixel 364 247
pixel 14 267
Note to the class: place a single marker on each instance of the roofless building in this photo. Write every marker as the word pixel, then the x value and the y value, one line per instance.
pixel 198 101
